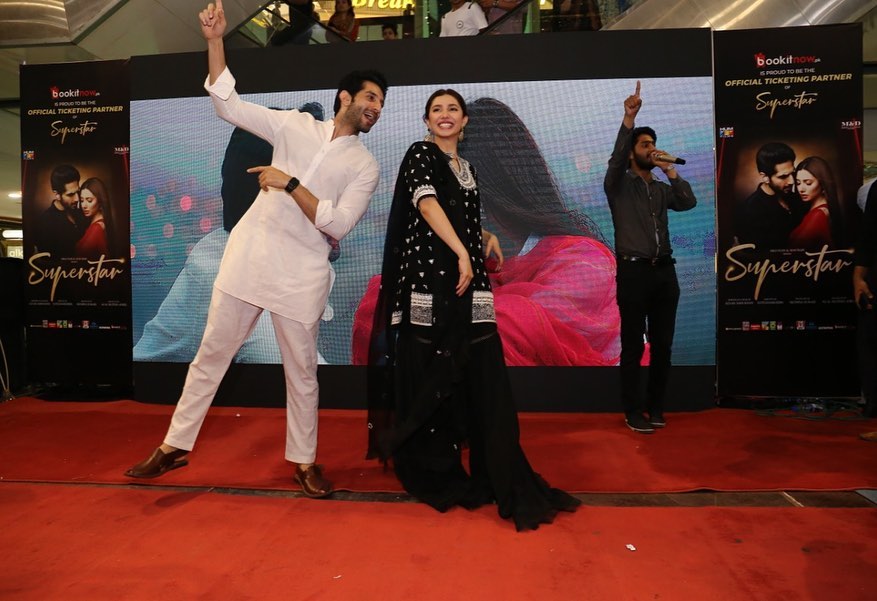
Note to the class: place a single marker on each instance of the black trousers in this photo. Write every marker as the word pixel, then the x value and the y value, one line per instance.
pixel 647 299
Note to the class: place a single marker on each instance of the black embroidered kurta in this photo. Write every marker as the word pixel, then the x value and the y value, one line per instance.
pixel 428 270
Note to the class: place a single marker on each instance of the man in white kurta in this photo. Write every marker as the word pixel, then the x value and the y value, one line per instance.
pixel 317 188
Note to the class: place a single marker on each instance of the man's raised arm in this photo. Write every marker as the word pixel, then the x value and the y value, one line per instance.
pixel 213 26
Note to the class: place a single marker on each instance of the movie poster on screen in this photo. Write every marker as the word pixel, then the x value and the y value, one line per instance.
pixel 76 216
pixel 789 163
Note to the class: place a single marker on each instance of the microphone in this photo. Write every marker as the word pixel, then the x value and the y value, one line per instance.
pixel 669 158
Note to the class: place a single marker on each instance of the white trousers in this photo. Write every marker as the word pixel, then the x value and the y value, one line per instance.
pixel 230 321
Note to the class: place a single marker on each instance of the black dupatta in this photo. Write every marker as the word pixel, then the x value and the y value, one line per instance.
pixel 451 331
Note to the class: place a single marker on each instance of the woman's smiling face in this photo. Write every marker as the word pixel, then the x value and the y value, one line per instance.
pixel 445 117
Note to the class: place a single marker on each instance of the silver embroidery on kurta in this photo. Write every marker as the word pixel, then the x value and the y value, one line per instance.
pixel 464 176
pixel 482 307
pixel 420 192
pixel 421 309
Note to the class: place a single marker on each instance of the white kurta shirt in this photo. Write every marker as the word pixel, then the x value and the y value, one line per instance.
pixel 275 257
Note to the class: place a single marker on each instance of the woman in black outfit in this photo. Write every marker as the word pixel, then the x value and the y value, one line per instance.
pixel 440 378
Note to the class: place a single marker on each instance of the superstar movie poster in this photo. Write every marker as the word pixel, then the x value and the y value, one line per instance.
pixel 75 216
pixel 789 163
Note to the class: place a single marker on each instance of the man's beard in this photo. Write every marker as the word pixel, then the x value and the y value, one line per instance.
pixel 782 191
pixel 356 115
pixel 646 165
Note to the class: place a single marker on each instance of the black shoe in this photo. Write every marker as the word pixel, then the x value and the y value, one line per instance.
pixel 657 420
pixel 638 423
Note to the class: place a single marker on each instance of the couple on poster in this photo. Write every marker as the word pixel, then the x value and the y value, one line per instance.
pixel 79 221
pixel 794 206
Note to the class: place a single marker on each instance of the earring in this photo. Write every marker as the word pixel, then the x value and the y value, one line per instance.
pixel 460 136
pixel 429 137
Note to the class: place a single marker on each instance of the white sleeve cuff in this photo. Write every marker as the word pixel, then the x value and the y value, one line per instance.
pixel 422 191
pixel 325 214
pixel 223 86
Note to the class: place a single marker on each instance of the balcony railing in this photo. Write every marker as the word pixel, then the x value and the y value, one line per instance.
pixel 293 22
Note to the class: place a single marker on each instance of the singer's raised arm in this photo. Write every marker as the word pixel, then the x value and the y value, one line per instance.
pixel 619 160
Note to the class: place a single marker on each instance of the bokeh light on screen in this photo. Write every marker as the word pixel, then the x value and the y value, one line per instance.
pixel 168 230
pixel 186 203
pixel 583 163
pixel 205 224
pixel 150 202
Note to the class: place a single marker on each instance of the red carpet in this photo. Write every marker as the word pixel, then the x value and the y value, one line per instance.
pixel 134 543
pixel 720 449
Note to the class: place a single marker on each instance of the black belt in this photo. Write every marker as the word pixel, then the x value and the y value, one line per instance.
pixel 665 260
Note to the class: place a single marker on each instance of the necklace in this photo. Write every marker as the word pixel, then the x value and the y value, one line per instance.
pixel 455 162
pixel 461 172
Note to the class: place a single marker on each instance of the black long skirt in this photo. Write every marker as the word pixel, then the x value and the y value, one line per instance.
pixel 452 395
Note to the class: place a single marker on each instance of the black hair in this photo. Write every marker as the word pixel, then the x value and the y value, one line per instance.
pixel 353 82
pixel 772 154
pixel 389 26
pixel 638 131
pixel 519 193
pixel 821 170
pixel 350 2
pixel 97 187
pixel 62 175
pixel 445 92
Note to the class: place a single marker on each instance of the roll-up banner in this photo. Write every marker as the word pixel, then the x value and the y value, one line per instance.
pixel 76 216
pixel 789 163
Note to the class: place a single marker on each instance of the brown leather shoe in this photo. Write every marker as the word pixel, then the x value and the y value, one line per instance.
pixel 312 482
pixel 158 463
pixel 869 436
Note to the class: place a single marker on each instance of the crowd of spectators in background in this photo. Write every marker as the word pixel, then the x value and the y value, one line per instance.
pixel 456 18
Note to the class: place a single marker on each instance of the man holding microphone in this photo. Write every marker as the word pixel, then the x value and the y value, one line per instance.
pixel 647 288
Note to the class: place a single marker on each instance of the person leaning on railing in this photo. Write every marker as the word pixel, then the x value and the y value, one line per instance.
pixel 497 9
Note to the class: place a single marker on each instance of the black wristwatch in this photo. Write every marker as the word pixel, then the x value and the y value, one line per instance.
pixel 292 185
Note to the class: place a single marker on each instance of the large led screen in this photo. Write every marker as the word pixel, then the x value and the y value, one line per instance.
pixel 560 129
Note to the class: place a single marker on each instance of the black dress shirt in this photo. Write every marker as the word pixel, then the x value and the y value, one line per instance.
pixel 639 207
